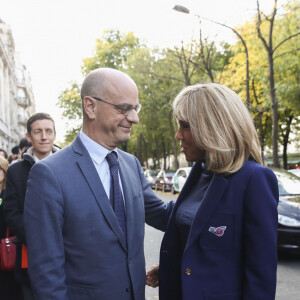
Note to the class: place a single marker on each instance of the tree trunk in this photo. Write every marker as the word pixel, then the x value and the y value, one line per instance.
pixel 175 148
pixel 275 111
pixel 270 51
pixel 164 154
pixel 261 135
pixel 286 141
pixel 140 149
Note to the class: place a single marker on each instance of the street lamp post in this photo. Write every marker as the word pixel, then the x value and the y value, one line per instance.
pixel 185 10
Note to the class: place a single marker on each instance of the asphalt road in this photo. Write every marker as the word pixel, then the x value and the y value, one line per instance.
pixel 288 272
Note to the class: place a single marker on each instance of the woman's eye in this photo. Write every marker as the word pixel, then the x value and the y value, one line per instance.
pixel 185 125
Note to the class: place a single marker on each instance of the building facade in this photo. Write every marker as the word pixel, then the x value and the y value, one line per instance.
pixel 16 95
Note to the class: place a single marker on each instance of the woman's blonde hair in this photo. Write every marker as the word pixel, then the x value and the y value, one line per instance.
pixel 3 166
pixel 220 124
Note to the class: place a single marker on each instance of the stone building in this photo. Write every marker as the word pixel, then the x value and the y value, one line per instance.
pixel 16 96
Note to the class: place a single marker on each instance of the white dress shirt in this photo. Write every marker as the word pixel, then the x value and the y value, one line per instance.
pixel 37 159
pixel 98 154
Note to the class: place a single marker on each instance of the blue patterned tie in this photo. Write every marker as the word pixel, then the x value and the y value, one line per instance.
pixel 115 197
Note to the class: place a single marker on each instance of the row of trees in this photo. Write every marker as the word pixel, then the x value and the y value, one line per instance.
pixel 273 80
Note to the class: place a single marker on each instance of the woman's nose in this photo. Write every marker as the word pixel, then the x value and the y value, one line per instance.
pixel 179 135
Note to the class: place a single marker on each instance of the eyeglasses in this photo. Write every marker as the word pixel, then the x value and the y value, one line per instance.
pixel 124 108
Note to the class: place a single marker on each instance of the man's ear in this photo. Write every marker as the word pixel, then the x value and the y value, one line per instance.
pixel 28 137
pixel 89 107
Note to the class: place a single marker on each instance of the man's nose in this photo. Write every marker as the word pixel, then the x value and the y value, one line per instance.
pixel 133 117
pixel 44 135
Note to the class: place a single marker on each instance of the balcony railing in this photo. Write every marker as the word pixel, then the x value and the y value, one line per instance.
pixel 20 82
pixel 23 101
pixel 22 120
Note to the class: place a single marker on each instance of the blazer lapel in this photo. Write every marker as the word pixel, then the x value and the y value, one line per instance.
pixel 207 207
pixel 89 171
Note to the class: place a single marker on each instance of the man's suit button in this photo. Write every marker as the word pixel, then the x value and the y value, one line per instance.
pixel 188 271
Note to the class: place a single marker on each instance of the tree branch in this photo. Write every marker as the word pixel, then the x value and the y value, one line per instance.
pixel 288 38
pixel 288 52
pixel 258 24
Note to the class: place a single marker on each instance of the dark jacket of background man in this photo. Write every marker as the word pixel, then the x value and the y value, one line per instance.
pixel 16 185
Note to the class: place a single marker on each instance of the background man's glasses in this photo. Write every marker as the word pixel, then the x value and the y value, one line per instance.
pixel 126 109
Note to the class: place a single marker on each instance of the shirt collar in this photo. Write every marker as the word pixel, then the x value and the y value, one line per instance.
pixel 96 151
pixel 36 159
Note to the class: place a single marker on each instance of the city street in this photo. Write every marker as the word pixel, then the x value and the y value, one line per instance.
pixel 288 274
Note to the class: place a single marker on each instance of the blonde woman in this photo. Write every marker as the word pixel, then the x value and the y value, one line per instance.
pixel 9 288
pixel 220 243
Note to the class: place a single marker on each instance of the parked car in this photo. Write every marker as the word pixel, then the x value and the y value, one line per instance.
pixel 151 176
pixel 288 210
pixel 179 179
pixel 163 180
pixel 295 172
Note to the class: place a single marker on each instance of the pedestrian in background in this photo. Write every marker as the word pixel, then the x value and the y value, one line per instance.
pixel 221 241
pixel 41 133
pixel 9 288
pixel 23 146
pixel 3 153
pixel 15 154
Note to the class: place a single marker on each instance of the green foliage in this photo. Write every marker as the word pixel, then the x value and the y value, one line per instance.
pixel 161 73
pixel 70 103
pixel 286 69
pixel 111 51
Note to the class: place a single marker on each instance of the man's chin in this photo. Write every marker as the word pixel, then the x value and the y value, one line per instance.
pixel 124 138
pixel 43 152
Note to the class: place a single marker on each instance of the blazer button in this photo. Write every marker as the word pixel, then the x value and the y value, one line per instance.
pixel 188 272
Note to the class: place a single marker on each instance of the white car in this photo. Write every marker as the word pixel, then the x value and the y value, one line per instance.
pixel 179 179
pixel 151 176
pixel 295 172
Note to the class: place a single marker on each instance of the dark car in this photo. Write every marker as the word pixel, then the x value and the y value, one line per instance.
pixel 163 180
pixel 288 210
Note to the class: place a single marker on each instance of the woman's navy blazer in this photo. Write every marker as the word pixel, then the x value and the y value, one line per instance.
pixel 231 251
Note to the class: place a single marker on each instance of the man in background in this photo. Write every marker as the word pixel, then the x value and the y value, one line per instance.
pixel 14 154
pixel 41 133
pixel 23 146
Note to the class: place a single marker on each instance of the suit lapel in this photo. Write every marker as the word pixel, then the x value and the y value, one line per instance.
pixel 191 180
pixel 89 171
pixel 207 207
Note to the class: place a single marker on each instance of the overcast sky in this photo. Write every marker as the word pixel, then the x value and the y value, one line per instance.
pixel 53 36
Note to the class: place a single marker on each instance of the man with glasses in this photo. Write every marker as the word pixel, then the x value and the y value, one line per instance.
pixel 86 207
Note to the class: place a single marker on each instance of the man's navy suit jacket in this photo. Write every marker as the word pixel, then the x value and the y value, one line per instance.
pixel 234 263
pixel 76 249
